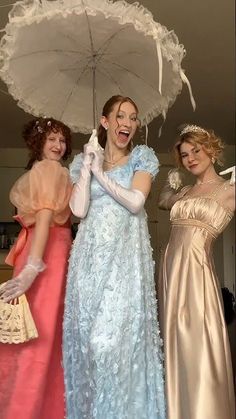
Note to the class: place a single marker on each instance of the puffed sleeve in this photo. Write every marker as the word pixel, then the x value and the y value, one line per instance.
pixel 144 159
pixel 46 185
pixel 75 167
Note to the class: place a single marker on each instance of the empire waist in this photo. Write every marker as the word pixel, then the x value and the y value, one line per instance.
pixel 196 223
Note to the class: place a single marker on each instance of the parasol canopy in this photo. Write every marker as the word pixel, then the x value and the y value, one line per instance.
pixel 65 58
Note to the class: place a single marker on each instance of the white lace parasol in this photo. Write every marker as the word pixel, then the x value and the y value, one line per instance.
pixel 65 58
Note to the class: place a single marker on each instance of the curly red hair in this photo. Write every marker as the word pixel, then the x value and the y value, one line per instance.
pixel 35 133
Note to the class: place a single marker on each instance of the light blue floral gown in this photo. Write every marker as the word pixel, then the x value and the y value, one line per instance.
pixel 112 349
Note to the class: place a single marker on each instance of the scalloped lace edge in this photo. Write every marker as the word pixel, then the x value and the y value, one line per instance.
pixel 25 13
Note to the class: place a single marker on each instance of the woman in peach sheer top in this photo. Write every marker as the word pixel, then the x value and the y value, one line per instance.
pixel 31 374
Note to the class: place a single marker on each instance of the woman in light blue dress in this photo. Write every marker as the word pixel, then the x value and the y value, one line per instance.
pixel 112 349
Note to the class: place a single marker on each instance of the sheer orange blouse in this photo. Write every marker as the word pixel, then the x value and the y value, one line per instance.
pixel 46 185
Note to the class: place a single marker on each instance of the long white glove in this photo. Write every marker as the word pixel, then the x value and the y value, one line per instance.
pixel 132 199
pixel 17 286
pixel 80 197
pixel 232 171
pixel 93 141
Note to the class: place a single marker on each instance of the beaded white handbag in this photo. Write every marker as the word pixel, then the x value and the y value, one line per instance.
pixel 16 321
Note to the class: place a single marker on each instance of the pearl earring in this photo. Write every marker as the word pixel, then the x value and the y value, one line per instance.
pixel 213 160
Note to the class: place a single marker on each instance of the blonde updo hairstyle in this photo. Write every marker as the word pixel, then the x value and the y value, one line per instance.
pixel 211 143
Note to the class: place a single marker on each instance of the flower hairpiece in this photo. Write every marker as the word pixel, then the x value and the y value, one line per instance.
pixel 38 128
pixel 192 128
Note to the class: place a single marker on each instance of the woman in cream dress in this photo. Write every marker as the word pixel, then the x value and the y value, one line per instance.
pixel 199 382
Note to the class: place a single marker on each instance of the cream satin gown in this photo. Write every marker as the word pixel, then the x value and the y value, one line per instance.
pixel 199 382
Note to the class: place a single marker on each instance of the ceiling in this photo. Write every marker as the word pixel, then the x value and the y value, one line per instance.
pixel 207 30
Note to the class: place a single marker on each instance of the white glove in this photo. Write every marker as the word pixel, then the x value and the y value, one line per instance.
pixel 174 179
pixel 132 199
pixel 80 197
pixel 17 286
pixel 232 171
pixel 93 141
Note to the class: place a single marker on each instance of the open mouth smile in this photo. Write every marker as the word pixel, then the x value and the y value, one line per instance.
pixel 123 135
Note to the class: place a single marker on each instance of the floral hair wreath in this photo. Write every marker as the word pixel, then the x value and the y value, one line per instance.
pixel 39 128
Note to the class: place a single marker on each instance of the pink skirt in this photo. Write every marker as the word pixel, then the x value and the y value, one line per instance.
pixel 31 374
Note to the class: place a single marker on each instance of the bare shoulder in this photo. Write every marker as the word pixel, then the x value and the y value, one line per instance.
pixel 228 195
pixel 228 189
pixel 169 197
pixel 185 191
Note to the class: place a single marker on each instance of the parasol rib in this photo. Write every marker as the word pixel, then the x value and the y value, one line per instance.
pixel 134 74
pixel 93 67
